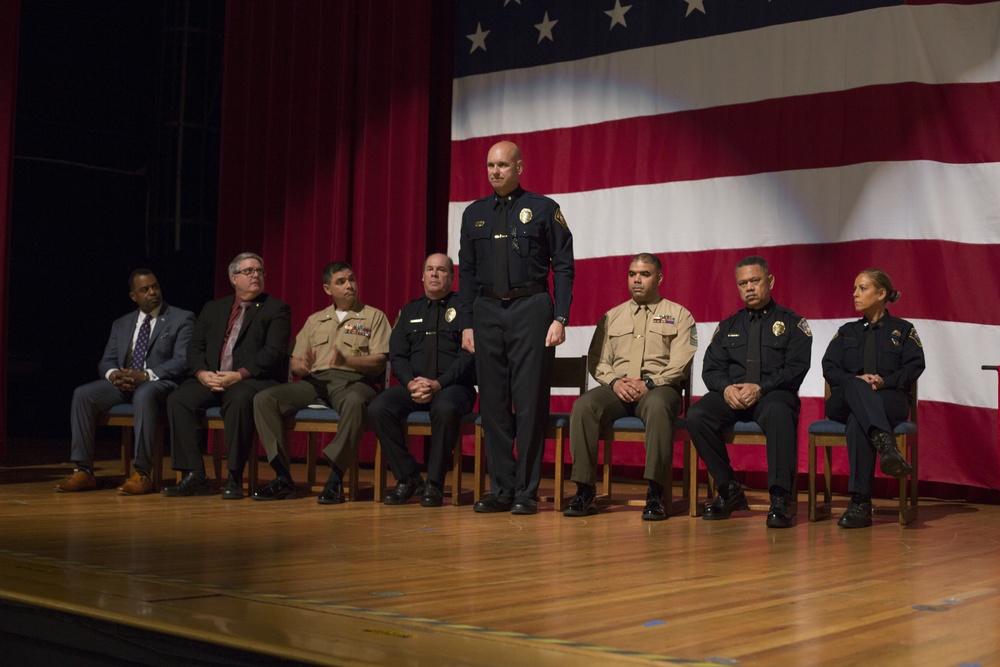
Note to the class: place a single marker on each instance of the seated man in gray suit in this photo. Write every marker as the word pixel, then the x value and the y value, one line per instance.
pixel 145 358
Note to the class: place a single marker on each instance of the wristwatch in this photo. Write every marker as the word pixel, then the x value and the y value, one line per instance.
pixel 562 320
pixel 649 384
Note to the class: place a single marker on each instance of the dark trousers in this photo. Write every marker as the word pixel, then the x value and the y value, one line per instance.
pixel 861 409
pixel 777 414
pixel 514 370
pixel 188 403
pixel 95 397
pixel 387 415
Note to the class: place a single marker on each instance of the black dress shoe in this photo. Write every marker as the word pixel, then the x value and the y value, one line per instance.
pixel 858 514
pixel 524 506
pixel 731 498
pixel 405 489
pixel 433 496
pixel 333 494
pixel 655 509
pixel 780 513
pixel 491 505
pixel 584 503
pixel 891 460
pixel 193 484
pixel 278 488
pixel 233 490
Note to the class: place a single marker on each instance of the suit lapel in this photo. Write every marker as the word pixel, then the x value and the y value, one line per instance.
pixel 161 322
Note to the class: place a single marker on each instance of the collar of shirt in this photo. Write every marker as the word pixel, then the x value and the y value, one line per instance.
pixel 512 196
pixel 637 307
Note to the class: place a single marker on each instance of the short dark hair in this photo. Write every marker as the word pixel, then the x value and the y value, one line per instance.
pixel 648 258
pixel 141 271
pixel 754 260
pixel 332 268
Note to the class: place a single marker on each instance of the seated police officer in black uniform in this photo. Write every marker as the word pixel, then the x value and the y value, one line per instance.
pixel 509 242
pixel 435 374
pixel 870 365
pixel 753 369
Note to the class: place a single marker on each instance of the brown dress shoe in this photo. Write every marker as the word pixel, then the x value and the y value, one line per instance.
pixel 136 485
pixel 80 480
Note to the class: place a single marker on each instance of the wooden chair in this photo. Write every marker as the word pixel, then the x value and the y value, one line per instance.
pixel 313 422
pixel 826 433
pixel 567 372
pixel 632 429
pixel 212 421
pixel 123 415
pixel 419 424
pixel 742 433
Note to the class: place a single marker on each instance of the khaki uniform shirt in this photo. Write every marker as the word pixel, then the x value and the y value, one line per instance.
pixel 365 330
pixel 669 343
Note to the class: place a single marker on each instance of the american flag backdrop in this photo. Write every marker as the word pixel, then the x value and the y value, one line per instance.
pixel 826 135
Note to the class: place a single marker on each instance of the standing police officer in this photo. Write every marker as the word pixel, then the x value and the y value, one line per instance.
pixel 509 242
pixel 753 369
pixel 435 375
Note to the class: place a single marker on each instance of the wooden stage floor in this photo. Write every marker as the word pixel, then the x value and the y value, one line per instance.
pixel 365 584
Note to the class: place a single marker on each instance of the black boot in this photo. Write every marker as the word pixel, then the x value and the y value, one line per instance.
pixel 891 461
pixel 859 512
pixel 731 498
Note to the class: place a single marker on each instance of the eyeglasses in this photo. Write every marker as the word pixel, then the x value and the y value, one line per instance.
pixel 250 272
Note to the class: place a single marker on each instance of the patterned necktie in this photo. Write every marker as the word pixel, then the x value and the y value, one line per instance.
pixel 637 348
pixel 234 333
pixel 501 281
pixel 753 350
pixel 141 345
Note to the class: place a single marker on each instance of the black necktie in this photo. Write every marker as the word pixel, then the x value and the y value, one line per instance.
pixel 753 350
pixel 501 283
pixel 431 350
pixel 870 359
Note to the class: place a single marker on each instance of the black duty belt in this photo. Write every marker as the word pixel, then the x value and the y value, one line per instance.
pixel 516 293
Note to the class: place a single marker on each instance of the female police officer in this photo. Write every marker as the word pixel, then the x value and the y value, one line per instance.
pixel 870 365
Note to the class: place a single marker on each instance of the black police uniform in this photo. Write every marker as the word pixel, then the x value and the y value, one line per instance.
pixel 408 356
pixel 512 363
pixel 786 346
pixel 899 357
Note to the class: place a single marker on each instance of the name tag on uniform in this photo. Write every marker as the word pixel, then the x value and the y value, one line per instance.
pixel 419 319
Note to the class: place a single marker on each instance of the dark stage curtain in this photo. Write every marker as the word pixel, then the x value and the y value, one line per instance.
pixel 9 11
pixel 333 119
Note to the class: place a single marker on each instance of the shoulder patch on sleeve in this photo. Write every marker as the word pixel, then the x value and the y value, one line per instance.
pixel 916 338
pixel 716 332
pixel 561 219
pixel 804 326
pixel 694 336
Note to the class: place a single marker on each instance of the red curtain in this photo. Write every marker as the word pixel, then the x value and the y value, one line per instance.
pixel 9 19
pixel 329 111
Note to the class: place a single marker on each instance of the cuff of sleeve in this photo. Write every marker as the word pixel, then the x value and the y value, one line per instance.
pixel 244 373
pixel 151 375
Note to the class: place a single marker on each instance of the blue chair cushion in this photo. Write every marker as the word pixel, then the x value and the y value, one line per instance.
pixel 423 417
pixel 628 423
pixel 322 415
pixel 830 427
pixel 747 428
pixel 122 409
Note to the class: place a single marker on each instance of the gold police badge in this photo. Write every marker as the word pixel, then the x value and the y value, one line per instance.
pixel 778 328
pixel 525 216
pixel 449 315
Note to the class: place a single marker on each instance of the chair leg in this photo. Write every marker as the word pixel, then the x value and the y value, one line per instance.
pixel 812 478
pixel 216 456
pixel 254 466
pixel 127 450
pixel 157 472
pixel 607 468
pixel 694 508
pixel 558 476
pixel 456 472
pixel 311 455
pixel 379 476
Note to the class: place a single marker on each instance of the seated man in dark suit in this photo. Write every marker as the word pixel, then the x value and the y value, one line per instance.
pixel 435 374
pixel 145 358
pixel 339 355
pixel 239 346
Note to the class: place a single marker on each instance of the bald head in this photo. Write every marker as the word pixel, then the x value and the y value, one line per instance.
pixel 503 167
